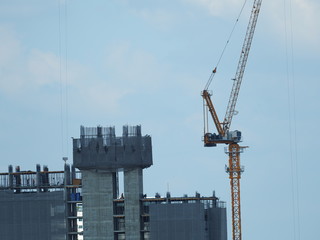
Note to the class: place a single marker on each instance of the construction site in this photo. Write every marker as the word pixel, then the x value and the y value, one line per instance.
pixel 87 204
pixel 84 200
pixel 159 120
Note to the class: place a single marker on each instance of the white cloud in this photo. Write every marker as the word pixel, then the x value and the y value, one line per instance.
pixel 98 97
pixel 302 14
pixel 21 70
pixel 28 75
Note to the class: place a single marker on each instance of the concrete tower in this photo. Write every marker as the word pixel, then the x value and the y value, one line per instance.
pixel 99 154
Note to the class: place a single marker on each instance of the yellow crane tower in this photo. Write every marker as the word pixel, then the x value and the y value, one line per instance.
pixel 224 135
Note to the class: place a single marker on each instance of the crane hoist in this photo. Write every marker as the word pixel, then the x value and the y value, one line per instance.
pixel 224 134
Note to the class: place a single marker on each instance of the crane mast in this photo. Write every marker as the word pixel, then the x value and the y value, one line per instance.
pixel 232 138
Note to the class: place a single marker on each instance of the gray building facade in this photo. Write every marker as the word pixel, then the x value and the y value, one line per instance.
pixel 188 220
pixel 32 216
pixel 38 204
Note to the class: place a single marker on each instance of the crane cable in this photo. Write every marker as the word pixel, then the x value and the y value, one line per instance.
pixel 292 120
pixel 224 49
pixel 64 105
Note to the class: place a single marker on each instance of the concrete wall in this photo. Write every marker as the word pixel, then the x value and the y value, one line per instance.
pixel 97 193
pixel 133 190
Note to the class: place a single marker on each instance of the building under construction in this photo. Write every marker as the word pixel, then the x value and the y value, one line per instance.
pixel 86 203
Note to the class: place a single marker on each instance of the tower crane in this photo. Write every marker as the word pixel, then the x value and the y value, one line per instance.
pixel 224 134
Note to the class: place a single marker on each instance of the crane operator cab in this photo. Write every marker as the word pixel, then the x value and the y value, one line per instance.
pixel 212 139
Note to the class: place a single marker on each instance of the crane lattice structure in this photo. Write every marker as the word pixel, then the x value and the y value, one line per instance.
pixel 231 138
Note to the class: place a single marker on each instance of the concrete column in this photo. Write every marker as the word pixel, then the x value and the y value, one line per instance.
pixel 38 178
pixel 10 176
pixel 115 183
pixel 133 190
pixel 97 193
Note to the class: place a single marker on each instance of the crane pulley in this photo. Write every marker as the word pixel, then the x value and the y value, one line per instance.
pixel 224 135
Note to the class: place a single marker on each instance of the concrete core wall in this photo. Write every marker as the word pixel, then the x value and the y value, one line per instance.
pixel 98 194
pixel 133 190
pixel 99 154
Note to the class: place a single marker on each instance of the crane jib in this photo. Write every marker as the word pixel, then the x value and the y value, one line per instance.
pixel 241 65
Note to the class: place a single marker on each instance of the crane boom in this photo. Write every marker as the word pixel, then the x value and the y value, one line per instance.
pixel 206 97
pixel 241 65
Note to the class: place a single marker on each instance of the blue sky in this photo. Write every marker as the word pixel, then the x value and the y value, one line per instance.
pixel 66 64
